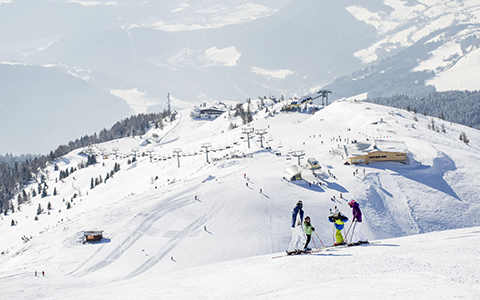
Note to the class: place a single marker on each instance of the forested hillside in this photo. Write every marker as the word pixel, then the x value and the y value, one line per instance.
pixel 17 172
pixel 462 107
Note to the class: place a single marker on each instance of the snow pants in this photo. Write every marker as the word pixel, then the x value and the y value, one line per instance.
pixel 338 236
pixel 357 234
pixel 298 239
pixel 309 236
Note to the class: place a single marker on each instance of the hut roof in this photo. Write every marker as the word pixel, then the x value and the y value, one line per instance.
pixel 364 148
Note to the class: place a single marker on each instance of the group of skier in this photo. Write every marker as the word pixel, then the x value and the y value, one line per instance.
pixel 302 229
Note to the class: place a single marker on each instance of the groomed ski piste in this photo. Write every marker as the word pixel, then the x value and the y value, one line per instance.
pixel 187 229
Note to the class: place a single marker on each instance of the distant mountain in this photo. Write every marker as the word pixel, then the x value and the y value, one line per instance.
pixel 422 47
pixel 41 108
pixel 216 50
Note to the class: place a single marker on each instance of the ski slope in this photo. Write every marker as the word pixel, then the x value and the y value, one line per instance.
pixel 205 230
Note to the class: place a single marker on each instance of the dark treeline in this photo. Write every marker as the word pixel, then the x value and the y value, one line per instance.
pixel 462 107
pixel 18 171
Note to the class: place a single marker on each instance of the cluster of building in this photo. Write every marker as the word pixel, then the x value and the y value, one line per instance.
pixel 211 112
pixel 360 153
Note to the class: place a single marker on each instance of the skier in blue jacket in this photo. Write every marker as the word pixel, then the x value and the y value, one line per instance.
pixel 338 220
pixel 298 237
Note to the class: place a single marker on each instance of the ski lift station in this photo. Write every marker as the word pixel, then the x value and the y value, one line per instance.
pixel 379 150
pixel 313 163
pixel 294 172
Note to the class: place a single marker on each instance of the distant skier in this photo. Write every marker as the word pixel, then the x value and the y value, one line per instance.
pixel 338 220
pixel 308 229
pixel 357 235
pixel 297 230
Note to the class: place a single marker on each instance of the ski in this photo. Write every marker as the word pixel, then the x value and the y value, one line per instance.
pixel 353 244
pixel 300 252
pixel 326 248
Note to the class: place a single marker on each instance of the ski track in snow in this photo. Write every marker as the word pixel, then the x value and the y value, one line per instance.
pixel 155 212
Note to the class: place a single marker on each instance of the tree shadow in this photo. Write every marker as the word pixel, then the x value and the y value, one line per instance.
pixel 205 229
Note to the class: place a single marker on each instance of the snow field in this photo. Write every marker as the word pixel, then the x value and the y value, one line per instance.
pixel 161 241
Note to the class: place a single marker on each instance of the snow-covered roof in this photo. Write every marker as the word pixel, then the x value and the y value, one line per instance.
pixel 391 146
pixel 364 148
pixel 293 170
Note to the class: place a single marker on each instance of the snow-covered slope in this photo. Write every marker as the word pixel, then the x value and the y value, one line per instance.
pixel 401 24
pixel 164 214
pixel 439 265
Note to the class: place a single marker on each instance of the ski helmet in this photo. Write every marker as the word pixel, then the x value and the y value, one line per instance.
pixel 351 203
pixel 300 203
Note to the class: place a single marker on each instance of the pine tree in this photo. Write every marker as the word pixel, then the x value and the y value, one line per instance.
pixel 463 137
pixel 39 209
pixel 55 191
pixel 44 191
pixel 92 184
pixel 49 206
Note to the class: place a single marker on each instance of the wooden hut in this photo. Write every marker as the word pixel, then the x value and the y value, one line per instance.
pixel 92 236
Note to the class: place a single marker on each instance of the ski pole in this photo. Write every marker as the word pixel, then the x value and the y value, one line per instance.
pixel 319 239
pixel 333 233
pixel 314 242
pixel 346 236
pixel 353 230
pixel 350 226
